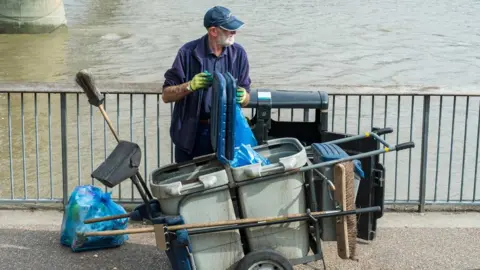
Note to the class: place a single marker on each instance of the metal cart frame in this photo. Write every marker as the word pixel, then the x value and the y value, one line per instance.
pixel 123 163
pixel 150 209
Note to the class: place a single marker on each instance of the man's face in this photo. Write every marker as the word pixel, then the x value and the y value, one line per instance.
pixel 224 37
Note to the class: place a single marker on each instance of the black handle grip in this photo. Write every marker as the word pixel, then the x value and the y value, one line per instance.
pixel 404 146
pixel 383 131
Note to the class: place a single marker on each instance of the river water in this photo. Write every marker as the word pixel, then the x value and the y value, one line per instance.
pixel 294 45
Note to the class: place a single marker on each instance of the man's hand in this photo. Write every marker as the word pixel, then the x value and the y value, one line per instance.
pixel 176 92
pixel 201 80
pixel 242 96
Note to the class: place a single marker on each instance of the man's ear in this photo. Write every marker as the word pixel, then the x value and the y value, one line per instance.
pixel 212 30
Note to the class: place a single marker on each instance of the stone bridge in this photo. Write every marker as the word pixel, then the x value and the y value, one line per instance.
pixel 31 16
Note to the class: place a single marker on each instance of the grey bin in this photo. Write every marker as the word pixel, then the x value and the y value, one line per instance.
pixel 198 190
pixel 278 196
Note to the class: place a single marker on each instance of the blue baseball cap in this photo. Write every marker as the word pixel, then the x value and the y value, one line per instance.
pixel 223 18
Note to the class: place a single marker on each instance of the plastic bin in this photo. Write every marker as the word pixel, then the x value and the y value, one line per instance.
pixel 326 152
pixel 265 101
pixel 198 191
pixel 281 195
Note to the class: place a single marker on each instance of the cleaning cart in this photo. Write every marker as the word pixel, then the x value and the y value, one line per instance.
pixel 208 214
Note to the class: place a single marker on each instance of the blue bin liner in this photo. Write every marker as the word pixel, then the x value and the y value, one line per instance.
pixel 87 202
pixel 328 152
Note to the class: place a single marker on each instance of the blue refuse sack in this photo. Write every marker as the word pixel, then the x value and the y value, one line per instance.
pixel 243 132
pixel 87 202
pixel 245 155
pixel 244 142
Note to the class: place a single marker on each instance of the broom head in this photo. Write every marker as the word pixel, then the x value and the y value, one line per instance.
pixel 346 226
pixel 85 80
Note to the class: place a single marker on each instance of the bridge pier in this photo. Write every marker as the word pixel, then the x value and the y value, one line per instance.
pixel 31 16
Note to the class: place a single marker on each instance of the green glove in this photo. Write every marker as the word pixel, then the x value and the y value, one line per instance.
pixel 241 95
pixel 201 80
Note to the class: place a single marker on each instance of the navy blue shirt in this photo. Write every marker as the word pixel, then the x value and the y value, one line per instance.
pixel 192 58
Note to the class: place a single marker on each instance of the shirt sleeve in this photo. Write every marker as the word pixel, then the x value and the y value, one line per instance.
pixel 176 74
pixel 244 71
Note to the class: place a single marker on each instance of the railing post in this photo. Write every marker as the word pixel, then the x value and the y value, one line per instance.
pixel 63 123
pixel 424 153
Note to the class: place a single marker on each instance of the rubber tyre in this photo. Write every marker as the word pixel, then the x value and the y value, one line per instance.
pixel 255 257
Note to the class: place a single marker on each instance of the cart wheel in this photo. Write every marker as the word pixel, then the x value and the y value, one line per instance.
pixel 264 260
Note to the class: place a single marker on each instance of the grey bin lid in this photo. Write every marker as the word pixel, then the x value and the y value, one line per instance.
pixel 291 99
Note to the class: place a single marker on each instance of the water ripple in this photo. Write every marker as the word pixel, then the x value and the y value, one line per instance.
pixel 429 42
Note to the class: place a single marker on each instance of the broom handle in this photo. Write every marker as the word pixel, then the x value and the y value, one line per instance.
pixel 142 182
pixel 105 116
pixel 93 220
pixel 118 232
pixel 238 221
pixel 203 225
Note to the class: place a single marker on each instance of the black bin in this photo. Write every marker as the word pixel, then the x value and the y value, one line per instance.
pixel 266 128
pixel 371 189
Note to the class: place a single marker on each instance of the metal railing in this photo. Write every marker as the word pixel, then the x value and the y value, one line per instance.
pixel 53 139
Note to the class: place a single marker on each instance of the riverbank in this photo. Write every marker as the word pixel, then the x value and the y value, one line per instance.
pixel 434 240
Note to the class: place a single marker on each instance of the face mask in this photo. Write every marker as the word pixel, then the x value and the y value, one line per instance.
pixel 225 39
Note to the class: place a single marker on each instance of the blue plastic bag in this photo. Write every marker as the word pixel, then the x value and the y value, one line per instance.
pixel 243 132
pixel 245 155
pixel 244 143
pixel 88 202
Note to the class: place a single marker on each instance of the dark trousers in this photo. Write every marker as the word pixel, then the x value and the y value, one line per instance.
pixel 203 145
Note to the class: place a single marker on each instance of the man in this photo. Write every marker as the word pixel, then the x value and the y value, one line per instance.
pixel 188 82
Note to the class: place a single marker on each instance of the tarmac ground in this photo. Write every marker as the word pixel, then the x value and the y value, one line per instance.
pixel 433 240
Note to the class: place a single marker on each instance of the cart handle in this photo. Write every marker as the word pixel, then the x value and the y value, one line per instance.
pixel 375 134
pixel 383 131
pixel 404 146
pixel 386 149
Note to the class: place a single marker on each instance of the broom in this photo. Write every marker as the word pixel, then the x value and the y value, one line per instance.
pixel 86 81
pixel 346 226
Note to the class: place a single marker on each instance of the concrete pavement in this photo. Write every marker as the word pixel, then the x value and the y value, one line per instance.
pixel 30 240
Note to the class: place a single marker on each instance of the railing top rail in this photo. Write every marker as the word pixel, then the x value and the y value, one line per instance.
pixel 156 88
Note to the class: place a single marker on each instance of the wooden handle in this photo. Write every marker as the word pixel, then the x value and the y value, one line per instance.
pixel 233 222
pixel 118 232
pixel 203 225
pixel 339 176
pixel 110 125
pixel 94 220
